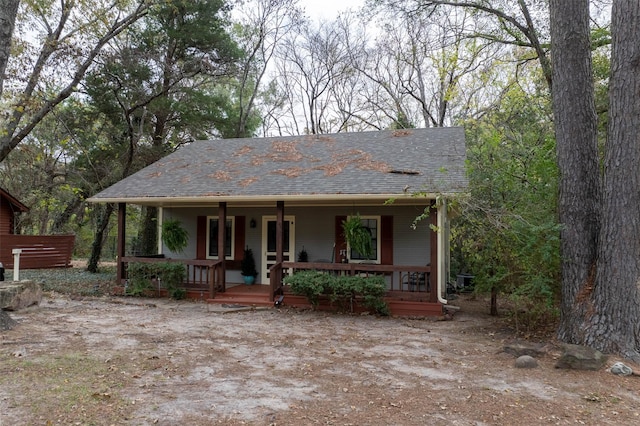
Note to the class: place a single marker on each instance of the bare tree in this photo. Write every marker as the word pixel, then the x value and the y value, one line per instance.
pixel 71 36
pixel 425 71
pixel 311 62
pixel 523 26
pixel 263 24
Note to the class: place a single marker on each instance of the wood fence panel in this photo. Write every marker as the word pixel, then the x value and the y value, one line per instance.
pixel 38 251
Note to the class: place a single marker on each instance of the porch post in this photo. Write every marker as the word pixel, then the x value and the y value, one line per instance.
pixel 280 232
pixel 120 245
pixel 222 231
pixel 443 250
pixel 433 246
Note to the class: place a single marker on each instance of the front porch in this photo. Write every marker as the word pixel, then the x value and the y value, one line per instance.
pixel 410 289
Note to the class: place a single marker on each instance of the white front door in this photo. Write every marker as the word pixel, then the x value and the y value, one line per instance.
pixel 269 243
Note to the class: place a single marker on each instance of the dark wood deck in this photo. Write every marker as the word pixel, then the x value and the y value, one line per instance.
pixel 400 304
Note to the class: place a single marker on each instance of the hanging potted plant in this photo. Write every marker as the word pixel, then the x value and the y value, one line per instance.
pixel 248 267
pixel 174 236
pixel 358 236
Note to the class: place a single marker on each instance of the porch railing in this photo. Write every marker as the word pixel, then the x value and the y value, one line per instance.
pixel 401 279
pixel 202 275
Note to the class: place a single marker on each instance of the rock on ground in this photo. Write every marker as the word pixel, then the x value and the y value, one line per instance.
pixel 18 295
pixel 526 361
pixel 579 357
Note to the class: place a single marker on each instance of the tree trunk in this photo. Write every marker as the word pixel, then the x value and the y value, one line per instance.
pixel 63 218
pixel 614 325
pixel 576 138
pixel 98 240
pixel 148 233
pixel 494 302
pixel 8 11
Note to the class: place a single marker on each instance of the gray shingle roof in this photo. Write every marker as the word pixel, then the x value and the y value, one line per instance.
pixel 340 165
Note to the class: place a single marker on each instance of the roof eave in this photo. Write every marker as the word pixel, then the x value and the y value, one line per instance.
pixel 310 199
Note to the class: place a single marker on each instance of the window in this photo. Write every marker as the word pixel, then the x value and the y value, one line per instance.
pixel 372 223
pixel 212 241
pixel 271 236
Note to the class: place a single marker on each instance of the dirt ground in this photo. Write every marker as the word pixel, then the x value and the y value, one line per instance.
pixel 125 361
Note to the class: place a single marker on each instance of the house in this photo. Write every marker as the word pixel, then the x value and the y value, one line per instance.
pixel 36 251
pixel 279 195
pixel 9 208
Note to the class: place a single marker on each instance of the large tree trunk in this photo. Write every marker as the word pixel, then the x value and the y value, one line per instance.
pixel 579 197
pixel 98 240
pixel 8 11
pixel 614 325
pixel 148 232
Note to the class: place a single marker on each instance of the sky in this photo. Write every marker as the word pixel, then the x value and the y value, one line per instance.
pixel 329 9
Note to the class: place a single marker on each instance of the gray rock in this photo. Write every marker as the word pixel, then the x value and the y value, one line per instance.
pixel 579 357
pixel 18 295
pixel 621 369
pixel 526 361
pixel 520 348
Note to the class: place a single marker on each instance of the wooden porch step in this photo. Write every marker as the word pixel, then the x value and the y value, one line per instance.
pixel 241 300
pixel 244 295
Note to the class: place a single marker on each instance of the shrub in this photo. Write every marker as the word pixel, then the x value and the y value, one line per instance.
pixel 342 290
pixel 171 275
pixel 310 284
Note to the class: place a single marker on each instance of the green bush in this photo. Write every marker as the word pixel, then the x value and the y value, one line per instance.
pixel 171 276
pixel 342 290
pixel 310 284
pixel 372 290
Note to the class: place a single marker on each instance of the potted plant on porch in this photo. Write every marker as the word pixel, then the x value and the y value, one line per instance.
pixel 248 267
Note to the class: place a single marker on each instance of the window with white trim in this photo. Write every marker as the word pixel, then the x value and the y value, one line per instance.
pixel 372 223
pixel 212 240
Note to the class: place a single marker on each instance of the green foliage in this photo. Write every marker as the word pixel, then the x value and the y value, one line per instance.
pixel 248 263
pixel 142 278
pixel 311 284
pixel 357 236
pixel 174 236
pixel 507 233
pixel 342 290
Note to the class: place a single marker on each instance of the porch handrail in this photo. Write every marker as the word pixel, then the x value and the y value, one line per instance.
pixel 275 280
pixel 201 273
pixel 398 274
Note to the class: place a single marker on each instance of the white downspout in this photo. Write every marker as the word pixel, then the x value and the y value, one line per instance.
pixel 442 248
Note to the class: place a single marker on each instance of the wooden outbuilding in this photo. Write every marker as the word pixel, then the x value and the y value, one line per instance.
pixel 36 251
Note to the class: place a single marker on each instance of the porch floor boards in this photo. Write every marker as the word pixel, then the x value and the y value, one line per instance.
pixel 258 295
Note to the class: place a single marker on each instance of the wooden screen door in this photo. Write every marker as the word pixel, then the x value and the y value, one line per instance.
pixel 269 243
